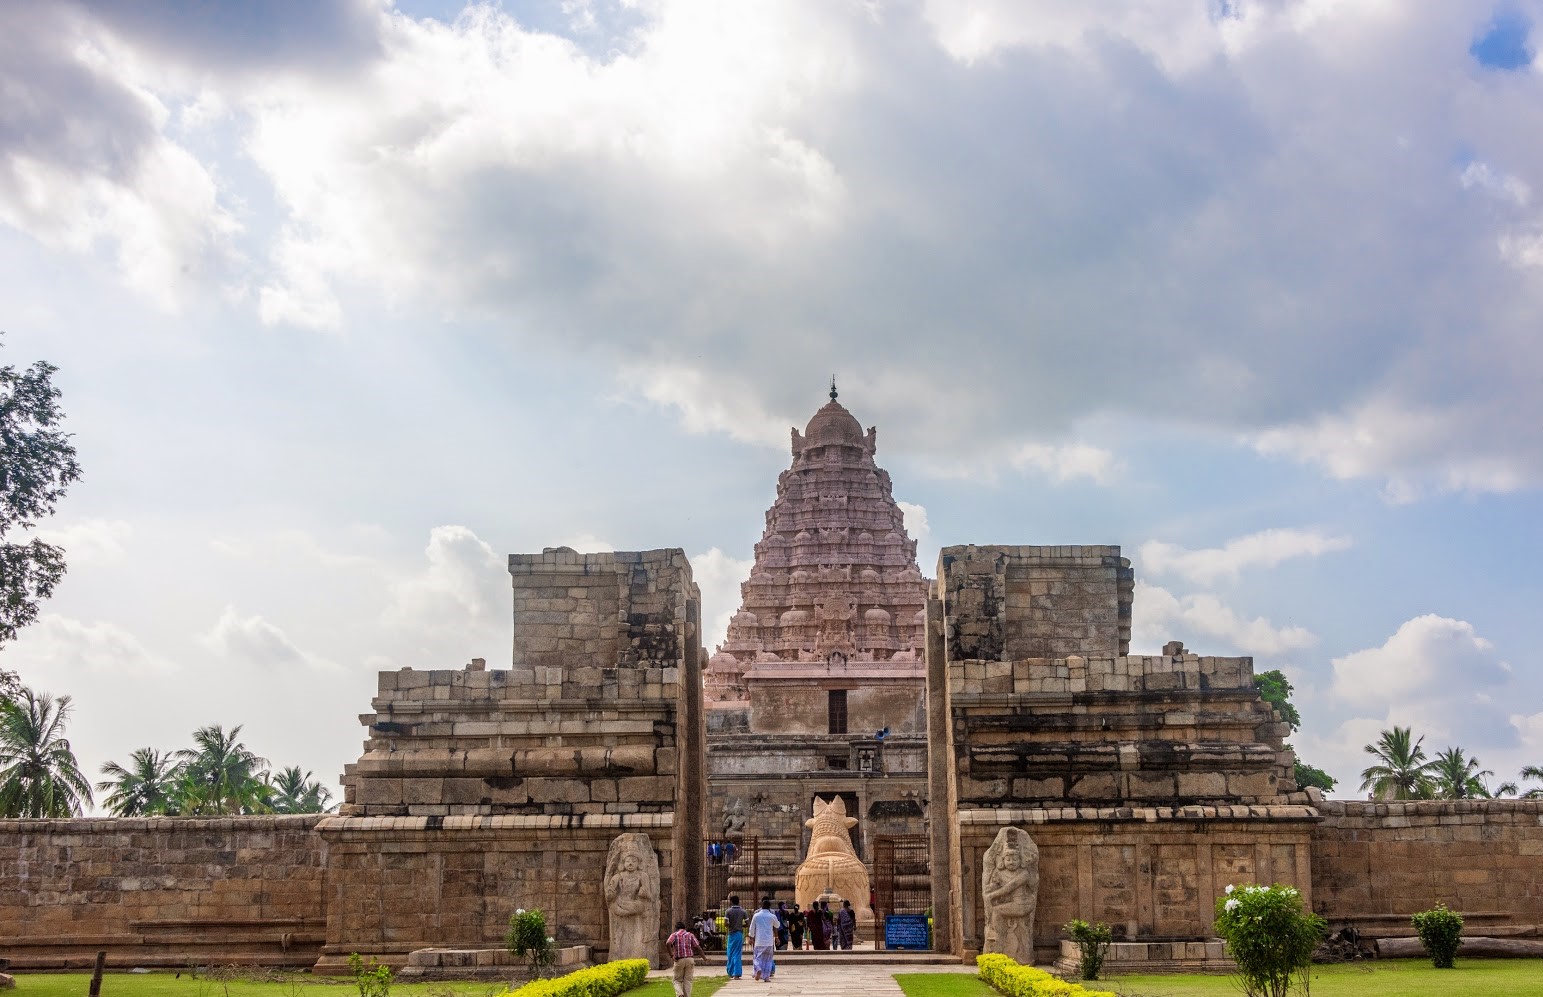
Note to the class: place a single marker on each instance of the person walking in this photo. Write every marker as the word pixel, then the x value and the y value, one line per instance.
pixel 685 950
pixel 782 924
pixel 763 941
pixel 734 938
pixel 846 926
pixel 816 924
pixel 796 926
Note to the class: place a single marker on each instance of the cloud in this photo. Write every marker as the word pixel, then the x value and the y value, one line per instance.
pixel 1264 549
pixel 1160 616
pixel 718 576
pixel 255 641
pixel 463 580
pixel 1098 211
pixel 88 541
pixel 57 645
pixel 920 530
pixel 1429 660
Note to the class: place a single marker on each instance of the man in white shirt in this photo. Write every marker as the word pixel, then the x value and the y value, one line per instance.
pixel 763 934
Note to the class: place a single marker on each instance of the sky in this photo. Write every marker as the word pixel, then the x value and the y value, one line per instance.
pixel 351 300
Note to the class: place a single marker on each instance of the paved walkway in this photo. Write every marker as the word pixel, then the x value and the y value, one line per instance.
pixel 810 979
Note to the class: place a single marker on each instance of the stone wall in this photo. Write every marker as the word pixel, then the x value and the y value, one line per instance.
pixel 1151 873
pixel 1374 864
pixel 1036 602
pixel 404 883
pixel 169 892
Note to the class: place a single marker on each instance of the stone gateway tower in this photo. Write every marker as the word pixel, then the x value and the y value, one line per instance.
pixel 818 689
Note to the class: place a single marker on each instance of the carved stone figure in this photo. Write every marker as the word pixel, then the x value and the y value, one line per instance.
pixel 734 818
pixel 1010 890
pixel 632 897
pixel 832 863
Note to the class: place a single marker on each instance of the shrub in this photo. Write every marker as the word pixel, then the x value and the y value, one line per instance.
pixel 373 979
pixel 607 980
pixel 527 939
pixel 1008 978
pixel 1093 944
pixel 1269 936
pixel 1439 930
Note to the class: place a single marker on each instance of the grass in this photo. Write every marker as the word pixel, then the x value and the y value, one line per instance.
pixel 260 983
pixel 1383 978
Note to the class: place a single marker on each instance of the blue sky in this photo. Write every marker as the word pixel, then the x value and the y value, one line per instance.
pixel 351 301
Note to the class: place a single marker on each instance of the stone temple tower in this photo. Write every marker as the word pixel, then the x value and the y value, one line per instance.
pixel 818 688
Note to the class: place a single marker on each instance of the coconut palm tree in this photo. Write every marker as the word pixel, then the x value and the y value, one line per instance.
pixel 294 792
pixel 39 776
pixel 1533 772
pixel 220 774
pixel 147 787
pixel 1402 771
pixel 1458 777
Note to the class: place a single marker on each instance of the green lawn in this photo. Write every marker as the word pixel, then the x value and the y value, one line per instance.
pixel 1384 978
pixel 272 984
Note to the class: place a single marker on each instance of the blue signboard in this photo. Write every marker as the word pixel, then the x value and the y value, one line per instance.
pixel 906 931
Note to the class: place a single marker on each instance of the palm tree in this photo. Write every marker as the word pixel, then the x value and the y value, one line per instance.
pixel 1533 772
pixel 297 793
pixel 39 776
pixel 1402 771
pixel 148 786
pixel 221 776
pixel 1458 777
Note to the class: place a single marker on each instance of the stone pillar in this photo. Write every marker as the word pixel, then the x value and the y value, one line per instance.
pixel 947 934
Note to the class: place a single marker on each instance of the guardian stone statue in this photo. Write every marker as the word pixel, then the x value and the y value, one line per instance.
pixel 1010 890
pixel 632 897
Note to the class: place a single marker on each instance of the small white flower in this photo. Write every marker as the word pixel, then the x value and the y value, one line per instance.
pixel 1231 905
pixel 520 910
pixel 1229 889
pixel 550 940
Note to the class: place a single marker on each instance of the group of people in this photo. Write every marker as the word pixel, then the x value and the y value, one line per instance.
pixel 769 930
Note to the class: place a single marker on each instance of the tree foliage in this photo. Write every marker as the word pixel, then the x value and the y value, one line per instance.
pixel 1402 771
pixel 1270 936
pixel 221 776
pixel 217 776
pixel 146 787
pixel 38 773
pixel 1275 689
pixel 294 792
pixel 37 464
pixel 1456 776
pixel 1533 772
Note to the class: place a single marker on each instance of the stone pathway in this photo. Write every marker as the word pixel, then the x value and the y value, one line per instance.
pixel 811 979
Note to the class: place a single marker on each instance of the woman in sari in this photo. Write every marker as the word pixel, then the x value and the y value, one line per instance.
pixel 816 922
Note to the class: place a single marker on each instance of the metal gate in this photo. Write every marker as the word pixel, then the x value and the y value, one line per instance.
pixel 902 874
pixel 751 866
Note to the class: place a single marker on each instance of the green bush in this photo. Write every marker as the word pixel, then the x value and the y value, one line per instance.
pixel 607 980
pixel 527 939
pixel 1093 944
pixel 1269 936
pixel 1008 978
pixel 1440 932
pixel 373 979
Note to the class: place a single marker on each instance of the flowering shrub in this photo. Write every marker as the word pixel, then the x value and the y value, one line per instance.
pixel 528 940
pixel 1092 943
pixel 1269 936
pixel 1008 978
pixel 607 980
pixel 1439 930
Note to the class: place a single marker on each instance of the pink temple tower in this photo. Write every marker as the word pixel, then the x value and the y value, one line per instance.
pixel 835 583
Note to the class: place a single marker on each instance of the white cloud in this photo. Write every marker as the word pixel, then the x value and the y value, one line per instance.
pixel 718 576
pixel 1160 616
pixel 88 541
pixel 1429 660
pixel 1264 549
pixel 464 580
pixel 1067 463
pixel 921 531
pixel 57 645
pixel 255 641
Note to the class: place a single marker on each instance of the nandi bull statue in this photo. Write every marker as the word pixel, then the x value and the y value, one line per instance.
pixel 832 871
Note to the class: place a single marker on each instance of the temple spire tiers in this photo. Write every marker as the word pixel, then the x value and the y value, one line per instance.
pixel 835 580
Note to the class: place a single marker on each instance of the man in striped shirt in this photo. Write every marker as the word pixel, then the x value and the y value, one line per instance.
pixel 685 950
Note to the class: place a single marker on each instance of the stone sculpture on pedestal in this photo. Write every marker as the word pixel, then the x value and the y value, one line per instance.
pixel 832 864
pixel 1010 891
pixel 632 897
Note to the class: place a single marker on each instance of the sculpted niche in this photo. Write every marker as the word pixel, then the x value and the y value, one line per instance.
pixel 1010 891
pixel 632 897
pixel 832 863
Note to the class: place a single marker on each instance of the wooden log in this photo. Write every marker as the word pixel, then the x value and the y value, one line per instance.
pixel 1477 947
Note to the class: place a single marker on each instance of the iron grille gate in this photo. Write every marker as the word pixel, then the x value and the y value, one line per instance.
pixel 752 866
pixel 902 877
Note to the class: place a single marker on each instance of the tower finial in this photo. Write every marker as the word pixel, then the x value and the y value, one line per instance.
pixel 833 387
